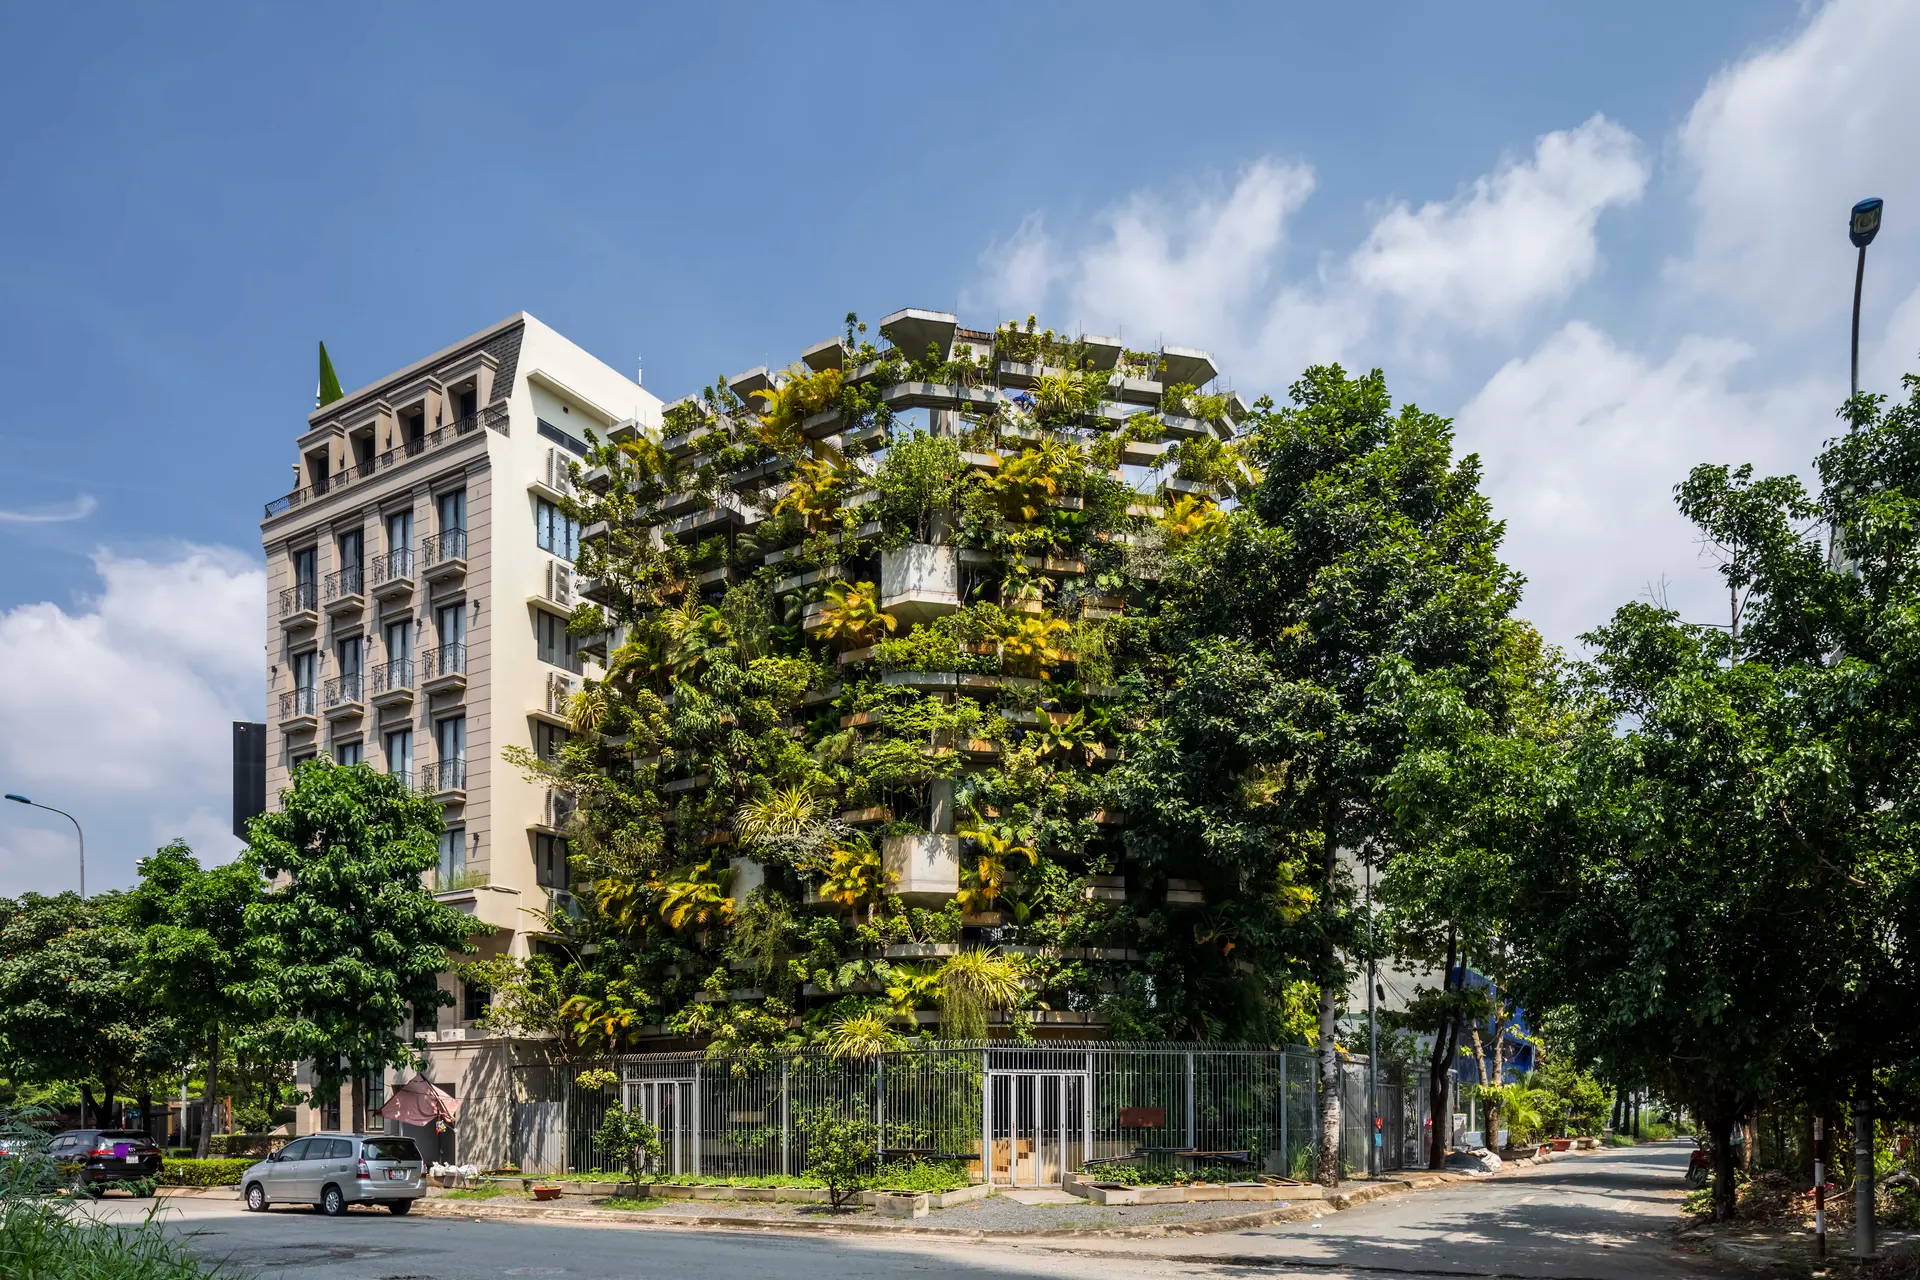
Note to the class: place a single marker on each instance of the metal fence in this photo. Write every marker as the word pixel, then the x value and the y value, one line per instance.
pixel 1015 1113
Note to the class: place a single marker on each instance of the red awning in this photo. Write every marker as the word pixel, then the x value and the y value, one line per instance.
pixel 419 1102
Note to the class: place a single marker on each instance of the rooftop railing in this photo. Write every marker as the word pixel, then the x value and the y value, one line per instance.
pixel 493 418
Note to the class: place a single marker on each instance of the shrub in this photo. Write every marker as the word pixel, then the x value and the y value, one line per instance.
pixel 839 1153
pixel 629 1139
pixel 202 1173
pixel 920 1175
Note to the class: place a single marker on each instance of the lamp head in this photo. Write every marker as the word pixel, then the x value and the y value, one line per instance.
pixel 1865 223
pixel 18 799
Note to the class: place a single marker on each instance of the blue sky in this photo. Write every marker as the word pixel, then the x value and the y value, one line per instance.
pixel 1609 242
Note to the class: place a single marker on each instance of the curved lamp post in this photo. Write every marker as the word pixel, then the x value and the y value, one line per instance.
pixel 76 830
pixel 1862 227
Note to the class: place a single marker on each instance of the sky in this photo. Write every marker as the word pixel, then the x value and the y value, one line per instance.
pixel 1608 241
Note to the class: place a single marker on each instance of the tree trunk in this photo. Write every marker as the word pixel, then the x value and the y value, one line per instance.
pixel 1619 1108
pixel 1720 1132
pixel 359 1102
pixel 204 1142
pixel 110 1086
pixel 145 1101
pixel 1328 1161
pixel 87 1109
pixel 1446 1043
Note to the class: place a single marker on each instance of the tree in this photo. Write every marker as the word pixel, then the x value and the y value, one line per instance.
pixel 630 1138
pixel 73 1006
pixel 193 949
pixel 349 943
pixel 1363 542
pixel 839 1153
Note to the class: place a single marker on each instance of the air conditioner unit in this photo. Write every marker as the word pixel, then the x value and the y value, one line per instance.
pixel 559 471
pixel 559 693
pixel 560 583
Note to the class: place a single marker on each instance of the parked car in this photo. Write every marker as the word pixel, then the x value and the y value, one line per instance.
pixel 103 1157
pixel 334 1171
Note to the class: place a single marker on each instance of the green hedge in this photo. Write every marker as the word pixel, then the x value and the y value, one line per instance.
pixel 202 1173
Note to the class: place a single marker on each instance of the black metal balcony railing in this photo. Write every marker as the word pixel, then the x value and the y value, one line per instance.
pixel 445 775
pixel 404 775
pixel 296 702
pixel 342 690
pixel 397 563
pixel 389 676
pixel 493 418
pixel 447 660
pixel 343 584
pixel 298 598
pixel 440 548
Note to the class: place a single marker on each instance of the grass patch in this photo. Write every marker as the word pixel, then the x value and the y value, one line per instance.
pixel 39 1241
pixel 631 1203
pixel 475 1193
pixel 1620 1140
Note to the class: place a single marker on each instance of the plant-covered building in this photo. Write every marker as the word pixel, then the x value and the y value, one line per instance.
pixel 874 638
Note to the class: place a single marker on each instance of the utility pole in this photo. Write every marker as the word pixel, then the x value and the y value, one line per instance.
pixel 1819 1186
pixel 1373 1047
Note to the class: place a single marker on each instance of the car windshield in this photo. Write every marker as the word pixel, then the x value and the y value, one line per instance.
pixel 391 1149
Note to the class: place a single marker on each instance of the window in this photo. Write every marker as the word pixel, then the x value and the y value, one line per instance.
pixel 302 1148
pixel 300 759
pixel 306 669
pixel 376 1098
pixel 564 439
pixel 351 551
pixel 347 653
pixel 547 740
pixel 451 622
pixel 450 738
pixel 550 861
pixel 346 753
pixel 554 643
pixel 467 402
pixel 399 641
pixel 453 855
pixel 400 531
pixel 392 1149
pixel 453 510
pixel 306 566
pixel 554 530
pixel 329 1119
pixel 473 1001
pixel 400 753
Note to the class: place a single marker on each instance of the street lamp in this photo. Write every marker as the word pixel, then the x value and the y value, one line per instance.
pixel 1861 229
pixel 76 830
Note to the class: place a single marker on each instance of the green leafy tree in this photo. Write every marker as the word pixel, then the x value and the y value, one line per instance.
pixel 630 1138
pixel 1363 543
pixel 841 1153
pixel 73 1005
pixel 193 949
pixel 349 942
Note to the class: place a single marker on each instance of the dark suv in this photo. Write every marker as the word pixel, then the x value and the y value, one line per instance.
pixel 103 1157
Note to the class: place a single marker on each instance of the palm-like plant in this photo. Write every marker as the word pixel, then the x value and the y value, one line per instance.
pixel 693 633
pixel 1069 737
pixel 697 896
pixel 910 986
pixel 1026 642
pixel 866 1034
pixel 776 817
pixel 991 876
pixel 1025 487
pixel 855 875
pixel 972 985
pixel 587 710
pixel 853 615
pixel 1192 519
pixel 797 397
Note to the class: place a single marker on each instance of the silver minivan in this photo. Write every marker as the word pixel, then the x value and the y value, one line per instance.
pixel 333 1171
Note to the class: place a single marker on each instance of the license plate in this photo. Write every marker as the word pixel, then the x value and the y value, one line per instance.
pixel 396 1175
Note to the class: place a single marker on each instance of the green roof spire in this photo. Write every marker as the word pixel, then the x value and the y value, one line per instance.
pixel 329 389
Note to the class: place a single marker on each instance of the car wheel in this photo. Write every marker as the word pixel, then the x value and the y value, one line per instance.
pixel 257 1198
pixel 332 1203
pixel 398 1208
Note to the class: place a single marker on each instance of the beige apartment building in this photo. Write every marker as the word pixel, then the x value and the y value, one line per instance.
pixel 419 581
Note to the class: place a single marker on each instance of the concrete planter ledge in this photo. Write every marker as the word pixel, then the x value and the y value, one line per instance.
pixel 1252 1192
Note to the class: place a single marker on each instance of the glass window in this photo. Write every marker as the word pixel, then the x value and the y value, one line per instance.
pixel 548 739
pixel 451 621
pixel 347 652
pixel 452 506
pixel 550 861
pixel 399 641
pixel 473 1001
pixel 306 669
pixel 347 753
pixel 400 752
pixel 450 736
pixel 555 531
pixel 351 550
pixel 297 1149
pixel 329 1119
pixel 400 531
pixel 391 1149
pixel 306 565
pixel 553 641
pixel 453 854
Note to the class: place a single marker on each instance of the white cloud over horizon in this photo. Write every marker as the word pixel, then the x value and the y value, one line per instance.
pixel 119 710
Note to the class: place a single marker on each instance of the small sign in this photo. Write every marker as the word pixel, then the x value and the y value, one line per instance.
pixel 1143 1117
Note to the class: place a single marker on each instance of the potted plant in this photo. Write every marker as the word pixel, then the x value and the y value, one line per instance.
pixel 546 1191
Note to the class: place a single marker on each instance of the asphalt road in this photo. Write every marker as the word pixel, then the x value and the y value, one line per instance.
pixel 1599 1217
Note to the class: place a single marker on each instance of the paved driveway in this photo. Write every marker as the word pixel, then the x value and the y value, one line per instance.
pixel 1599 1217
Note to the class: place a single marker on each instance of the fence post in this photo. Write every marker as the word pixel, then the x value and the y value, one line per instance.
pixel 986 1121
pixel 786 1119
pixel 1286 1152
pixel 1193 1140
pixel 696 1118
pixel 879 1105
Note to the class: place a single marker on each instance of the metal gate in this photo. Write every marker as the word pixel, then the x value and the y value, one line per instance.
pixel 668 1106
pixel 1038 1126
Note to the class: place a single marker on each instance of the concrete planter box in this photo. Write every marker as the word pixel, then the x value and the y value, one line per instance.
pixel 880 1197
pixel 924 869
pixel 760 1195
pixel 919 582
pixel 901 1204
pixel 1251 1192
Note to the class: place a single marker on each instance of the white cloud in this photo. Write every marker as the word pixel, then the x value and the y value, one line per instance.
pixel 1782 143
pixel 1583 442
pixel 1518 237
pixel 121 708
pixel 1210 270
pixel 79 509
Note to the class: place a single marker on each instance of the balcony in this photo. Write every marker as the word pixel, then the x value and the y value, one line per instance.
pixel 445 780
pixel 493 418
pixel 299 606
pixel 342 697
pixel 344 591
pixel 391 683
pixel 443 557
pixel 555 812
pixel 392 574
pixel 444 670
pixel 299 710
